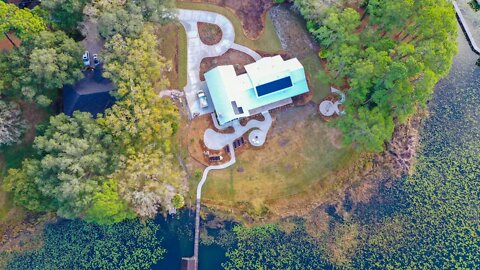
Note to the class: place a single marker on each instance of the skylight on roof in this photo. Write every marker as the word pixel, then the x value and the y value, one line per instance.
pixel 273 86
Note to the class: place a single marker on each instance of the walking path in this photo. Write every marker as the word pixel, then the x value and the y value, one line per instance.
pixel 196 51
pixel 217 141
pixel 199 198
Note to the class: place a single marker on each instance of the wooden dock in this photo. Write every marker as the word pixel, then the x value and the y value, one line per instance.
pixel 197 233
pixel 188 263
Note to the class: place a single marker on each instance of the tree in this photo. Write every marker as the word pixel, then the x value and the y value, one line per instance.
pixel 367 129
pixel 125 20
pixel 66 14
pixel 142 120
pixel 149 180
pixel 75 157
pixel 391 62
pixel 22 22
pixel 135 60
pixel 107 206
pixel 22 184
pixel 40 67
pixel 159 11
pixel 178 201
pixel 12 125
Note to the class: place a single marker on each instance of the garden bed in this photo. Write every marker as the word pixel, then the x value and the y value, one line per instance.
pixel 210 34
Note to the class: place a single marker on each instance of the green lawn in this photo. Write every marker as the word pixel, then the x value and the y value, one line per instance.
pixel 292 161
pixel 267 42
pixel 318 77
pixel 182 58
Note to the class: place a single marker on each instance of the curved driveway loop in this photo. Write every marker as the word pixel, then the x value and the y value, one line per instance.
pixel 197 50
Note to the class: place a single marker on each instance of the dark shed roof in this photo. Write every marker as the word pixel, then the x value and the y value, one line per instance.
pixel 90 94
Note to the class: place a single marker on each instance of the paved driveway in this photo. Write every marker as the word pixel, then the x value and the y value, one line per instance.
pixel 197 50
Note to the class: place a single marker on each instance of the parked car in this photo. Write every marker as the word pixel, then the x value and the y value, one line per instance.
pixel 86 58
pixel 96 62
pixel 203 99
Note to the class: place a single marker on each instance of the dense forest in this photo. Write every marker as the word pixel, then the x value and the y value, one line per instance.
pixel 388 55
pixel 102 168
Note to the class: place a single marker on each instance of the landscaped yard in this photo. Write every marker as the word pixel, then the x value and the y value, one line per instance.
pixel 268 40
pixel 300 151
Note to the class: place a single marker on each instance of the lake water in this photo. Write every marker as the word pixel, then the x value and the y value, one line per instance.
pixel 177 233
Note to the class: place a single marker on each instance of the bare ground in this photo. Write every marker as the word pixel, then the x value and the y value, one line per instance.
pixel 231 57
pixel 293 34
pixel 250 12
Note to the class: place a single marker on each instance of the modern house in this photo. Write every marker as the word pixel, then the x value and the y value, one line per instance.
pixel 90 94
pixel 269 83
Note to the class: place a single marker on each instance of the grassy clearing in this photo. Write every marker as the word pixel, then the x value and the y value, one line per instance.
pixel 298 154
pixel 267 42
pixel 318 77
pixel 173 46
pixel 182 57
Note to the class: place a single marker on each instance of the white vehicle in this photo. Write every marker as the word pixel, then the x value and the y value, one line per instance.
pixel 203 99
pixel 86 58
pixel 96 62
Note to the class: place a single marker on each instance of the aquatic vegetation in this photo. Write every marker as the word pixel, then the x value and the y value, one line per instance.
pixel 80 245
pixel 439 226
pixel 268 247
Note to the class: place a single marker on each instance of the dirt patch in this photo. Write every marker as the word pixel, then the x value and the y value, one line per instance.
pixel 210 34
pixel 6 44
pixel 24 234
pixel 92 42
pixel 196 146
pixel 34 116
pixel 288 119
pixel 251 13
pixel 168 47
pixel 292 31
pixel 231 57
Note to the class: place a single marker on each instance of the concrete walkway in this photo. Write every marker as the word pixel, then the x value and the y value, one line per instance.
pixel 247 50
pixel 217 141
